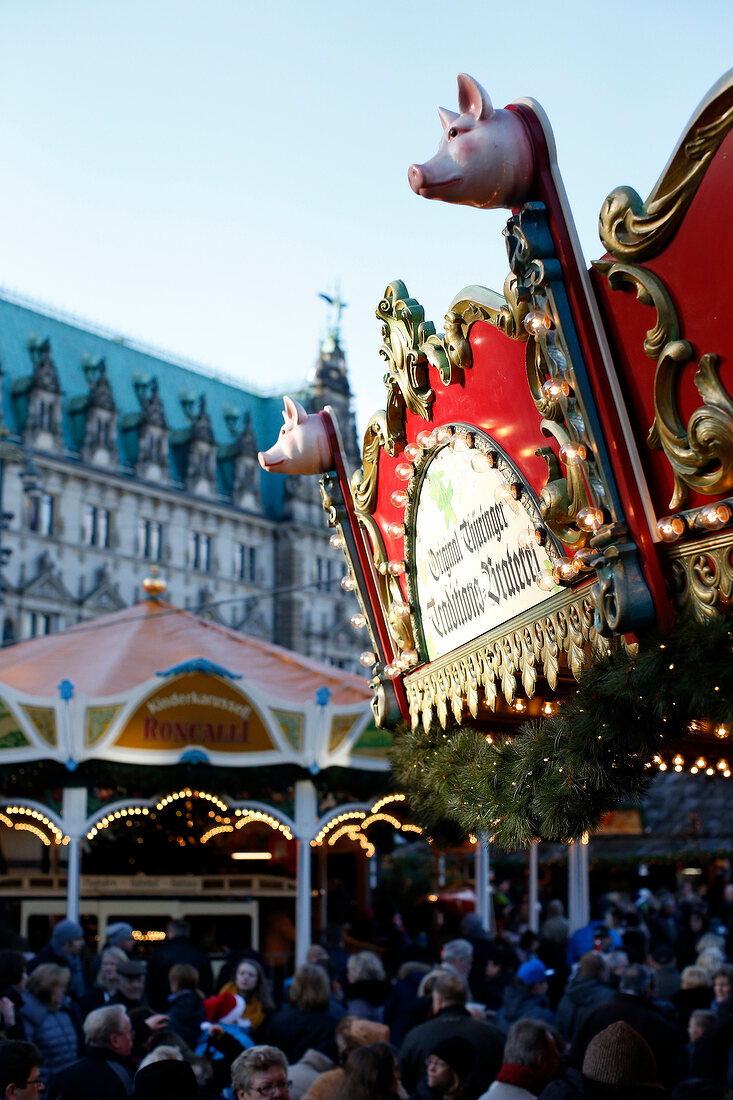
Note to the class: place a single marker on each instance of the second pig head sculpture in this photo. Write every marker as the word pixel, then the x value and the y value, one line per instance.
pixel 484 158
pixel 302 447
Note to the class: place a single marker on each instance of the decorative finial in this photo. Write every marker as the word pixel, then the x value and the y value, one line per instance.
pixel 338 305
pixel 154 586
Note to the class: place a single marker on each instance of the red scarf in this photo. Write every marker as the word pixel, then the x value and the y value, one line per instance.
pixel 524 1077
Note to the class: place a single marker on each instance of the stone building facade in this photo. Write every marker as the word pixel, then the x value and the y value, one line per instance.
pixel 131 460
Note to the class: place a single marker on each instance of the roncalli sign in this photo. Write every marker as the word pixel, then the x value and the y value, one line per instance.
pixel 476 564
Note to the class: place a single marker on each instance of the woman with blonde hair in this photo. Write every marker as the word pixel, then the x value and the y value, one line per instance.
pixel 309 1020
pixel 49 1018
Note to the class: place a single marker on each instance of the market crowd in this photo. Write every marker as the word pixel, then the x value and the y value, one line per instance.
pixel 637 1004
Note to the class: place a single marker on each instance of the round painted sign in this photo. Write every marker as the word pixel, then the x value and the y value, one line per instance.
pixel 475 567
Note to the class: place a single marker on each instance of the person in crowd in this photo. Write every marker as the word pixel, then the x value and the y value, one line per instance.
pixel 13 980
pixel 633 1005
pixel 49 1019
pixel 261 1073
pixel 250 983
pixel 695 992
pixel 530 1063
pixel 130 991
pixel 500 969
pixel 177 948
pixel 351 1033
pixel 556 927
pixel 451 1018
pixel 104 1073
pixel 120 934
pixel 588 988
pixel 666 978
pixel 106 982
pixel 309 1019
pixel 618 1065
pixel 166 1077
pixel 526 996
pixel 367 987
pixel 64 949
pixel 705 1040
pixel 370 1073
pixel 456 956
pixel 693 925
pixel 20 1070
pixel 186 1011
pixel 399 1008
pixel 722 986
pixel 449 1066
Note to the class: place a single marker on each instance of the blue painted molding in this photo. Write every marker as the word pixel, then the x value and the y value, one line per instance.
pixel 200 664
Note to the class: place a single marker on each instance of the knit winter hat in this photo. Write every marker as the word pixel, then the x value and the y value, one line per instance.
pixel 64 932
pixel 457 1052
pixel 118 932
pixel 619 1055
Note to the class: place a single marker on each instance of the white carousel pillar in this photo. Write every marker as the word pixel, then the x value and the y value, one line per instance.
pixel 533 900
pixel 484 908
pixel 74 812
pixel 306 817
pixel 578 886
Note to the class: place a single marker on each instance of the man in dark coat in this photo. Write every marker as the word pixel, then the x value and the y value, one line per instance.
pixel 588 989
pixel 103 1073
pixel 633 1005
pixel 451 1018
pixel 176 949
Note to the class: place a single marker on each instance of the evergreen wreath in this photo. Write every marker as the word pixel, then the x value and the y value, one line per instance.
pixel 555 778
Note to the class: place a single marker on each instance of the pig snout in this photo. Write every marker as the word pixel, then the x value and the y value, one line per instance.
pixel 416 176
pixel 270 459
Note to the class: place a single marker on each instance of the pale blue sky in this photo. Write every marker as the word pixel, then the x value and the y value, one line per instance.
pixel 191 173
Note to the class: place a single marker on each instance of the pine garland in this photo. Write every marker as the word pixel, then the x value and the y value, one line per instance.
pixel 555 778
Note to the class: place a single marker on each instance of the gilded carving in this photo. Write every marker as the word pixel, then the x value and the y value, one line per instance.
pixel 562 497
pixel 364 483
pixel 701 454
pixel 532 648
pixel 635 230
pixel 390 594
pixel 701 575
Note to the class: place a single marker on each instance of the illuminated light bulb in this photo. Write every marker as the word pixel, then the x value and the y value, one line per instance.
pixel 444 434
pixel 480 462
pixel 662 767
pixel 589 519
pixel 545 581
pixel 563 571
pixel 536 321
pixel 462 441
pixel 547 708
pixel 670 528
pixel 554 389
pixel 714 516
pixel 410 657
pixel 530 537
pixel 336 542
pixel 585 558
pixel 679 759
pixel 348 583
pixel 358 621
pixel 520 706
pixel 395 530
pixel 709 771
pixel 700 762
pixel 572 454
pixel 412 450
pixel 399 498
pixel 403 471
pixel 395 568
pixel 425 440
pixel 726 773
pixel 722 765
pixel 503 494
pixel 678 767
pixel 721 732
pixel 392 671
pixel 401 609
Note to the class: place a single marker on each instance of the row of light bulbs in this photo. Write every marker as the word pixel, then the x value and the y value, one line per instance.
pixel 711 517
pixel 247 817
pixel 188 793
pixel 700 764
pixel 36 815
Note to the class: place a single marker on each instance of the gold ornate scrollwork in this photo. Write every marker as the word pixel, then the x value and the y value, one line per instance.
pixel 634 230
pixel 701 576
pixel 364 483
pixel 701 454
pixel 390 593
pixel 562 497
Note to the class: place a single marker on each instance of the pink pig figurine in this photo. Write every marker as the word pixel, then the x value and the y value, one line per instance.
pixel 484 158
pixel 302 446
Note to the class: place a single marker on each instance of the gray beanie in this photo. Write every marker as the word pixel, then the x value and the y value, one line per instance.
pixel 118 932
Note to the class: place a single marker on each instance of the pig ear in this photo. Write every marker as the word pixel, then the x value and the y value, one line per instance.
pixel 473 99
pixel 294 412
pixel 447 117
